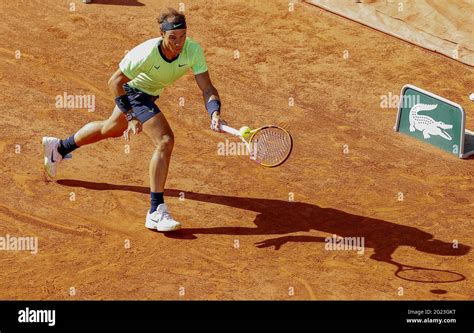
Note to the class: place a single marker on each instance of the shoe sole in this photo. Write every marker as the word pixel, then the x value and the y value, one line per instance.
pixel 154 227
pixel 45 162
pixel 167 230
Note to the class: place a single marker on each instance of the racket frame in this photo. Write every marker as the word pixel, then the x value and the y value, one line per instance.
pixel 248 142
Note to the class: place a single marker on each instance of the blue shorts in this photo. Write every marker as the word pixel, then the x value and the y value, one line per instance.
pixel 143 105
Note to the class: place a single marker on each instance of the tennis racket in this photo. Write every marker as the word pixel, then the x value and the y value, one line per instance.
pixel 268 146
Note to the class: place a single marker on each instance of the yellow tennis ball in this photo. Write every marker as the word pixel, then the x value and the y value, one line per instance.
pixel 244 131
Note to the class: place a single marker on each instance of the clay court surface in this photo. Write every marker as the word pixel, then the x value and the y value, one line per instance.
pixel 242 237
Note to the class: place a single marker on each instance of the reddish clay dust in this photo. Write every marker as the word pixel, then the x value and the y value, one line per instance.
pixel 248 232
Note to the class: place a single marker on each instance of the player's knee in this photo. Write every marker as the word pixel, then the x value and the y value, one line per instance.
pixel 164 142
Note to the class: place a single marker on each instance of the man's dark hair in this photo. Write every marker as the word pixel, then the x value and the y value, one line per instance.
pixel 172 16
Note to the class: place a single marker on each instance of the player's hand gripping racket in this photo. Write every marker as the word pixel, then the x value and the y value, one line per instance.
pixel 269 146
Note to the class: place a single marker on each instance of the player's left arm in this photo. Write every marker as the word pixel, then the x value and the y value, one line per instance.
pixel 212 101
pixel 209 92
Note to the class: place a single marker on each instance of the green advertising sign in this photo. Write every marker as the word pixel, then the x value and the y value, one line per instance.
pixel 432 119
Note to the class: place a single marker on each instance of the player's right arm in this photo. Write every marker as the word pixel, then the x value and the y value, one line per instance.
pixel 116 82
pixel 129 68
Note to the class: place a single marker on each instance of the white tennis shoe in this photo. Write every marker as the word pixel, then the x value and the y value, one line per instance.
pixel 161 220
pixel 52 157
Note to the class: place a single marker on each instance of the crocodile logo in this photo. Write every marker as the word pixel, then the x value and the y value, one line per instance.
pixel 426 124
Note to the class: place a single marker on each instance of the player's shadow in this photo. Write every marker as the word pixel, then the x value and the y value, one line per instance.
pixel 278 217
pixel 117 2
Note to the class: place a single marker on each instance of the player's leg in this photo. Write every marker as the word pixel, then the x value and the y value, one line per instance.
pixel 161 135
pixel 155 126
pixel 99 130
pixel 55 149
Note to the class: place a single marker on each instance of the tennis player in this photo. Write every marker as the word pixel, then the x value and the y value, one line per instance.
pixel 142 76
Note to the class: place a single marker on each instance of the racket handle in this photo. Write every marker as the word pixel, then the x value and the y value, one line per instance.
pixel 230 130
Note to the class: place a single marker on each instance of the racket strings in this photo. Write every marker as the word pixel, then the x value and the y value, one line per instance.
pixel 271 146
